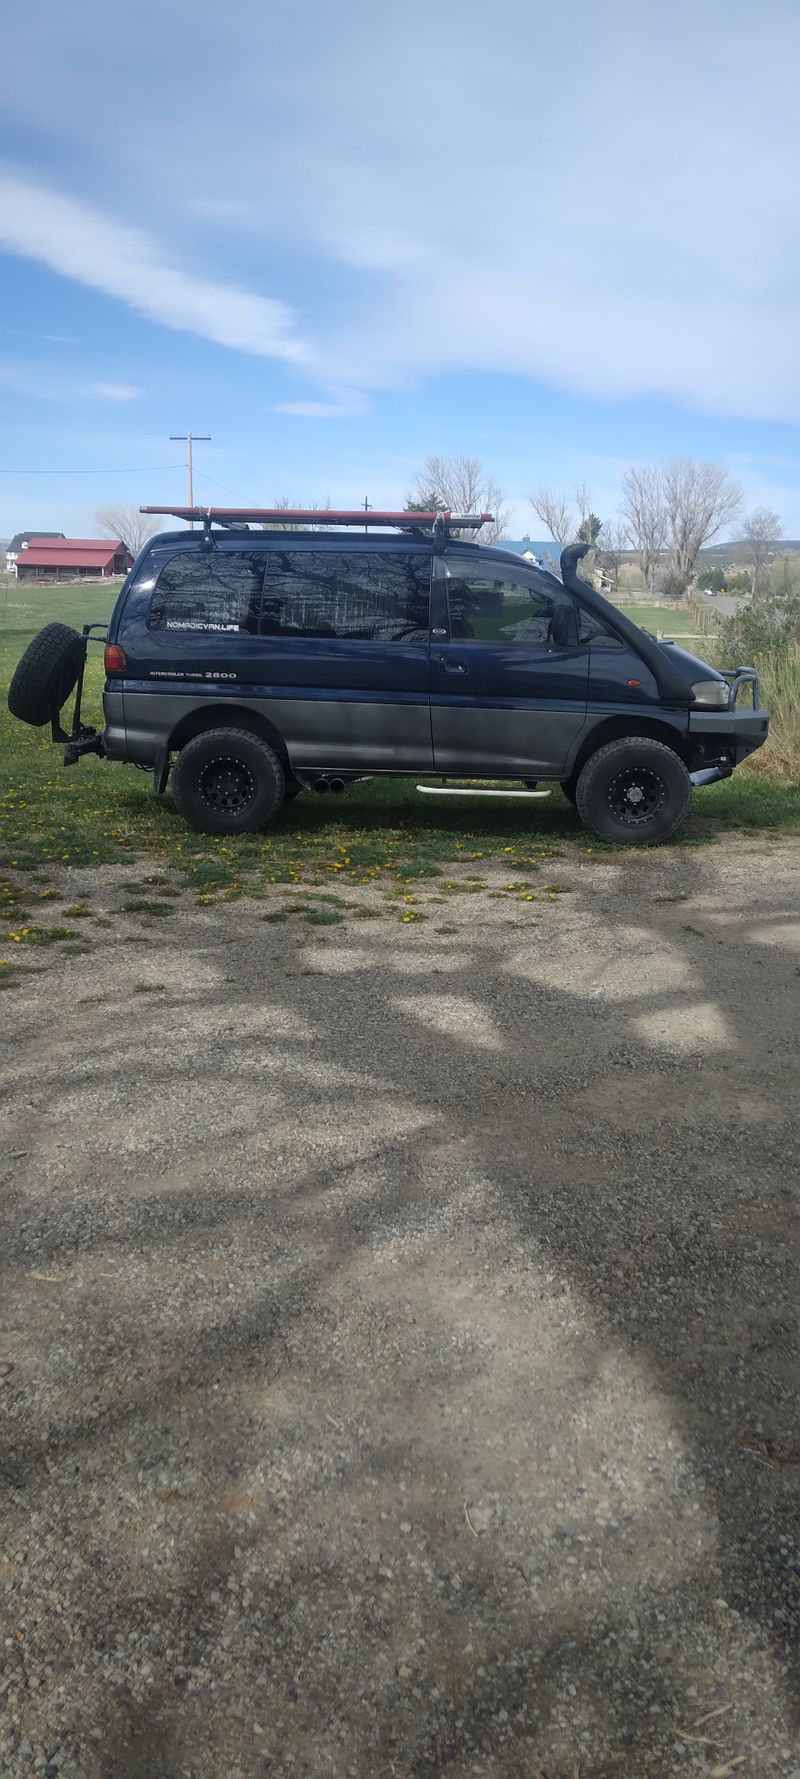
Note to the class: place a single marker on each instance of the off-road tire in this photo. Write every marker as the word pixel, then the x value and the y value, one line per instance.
pixel 46 674
pixel 633 792
pixel 228 781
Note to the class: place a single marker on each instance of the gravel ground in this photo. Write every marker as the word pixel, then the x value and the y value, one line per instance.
pixel 398 1337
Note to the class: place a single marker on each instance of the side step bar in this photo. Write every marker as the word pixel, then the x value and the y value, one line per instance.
pixel 451 790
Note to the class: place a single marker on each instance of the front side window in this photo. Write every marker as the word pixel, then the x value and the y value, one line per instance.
pixel 504 609
pixel 209 590
pixel 356 596
pixel 592 629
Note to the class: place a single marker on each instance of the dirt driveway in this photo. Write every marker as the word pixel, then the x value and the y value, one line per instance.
pixel 398 1337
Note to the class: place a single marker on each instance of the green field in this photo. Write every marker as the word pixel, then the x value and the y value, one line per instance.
pixel 666 619
pixel 99 813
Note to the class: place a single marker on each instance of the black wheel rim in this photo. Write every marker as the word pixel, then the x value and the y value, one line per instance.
pixel 227 785
pixel 636 795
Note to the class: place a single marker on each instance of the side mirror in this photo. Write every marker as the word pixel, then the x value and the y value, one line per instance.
pixel 562 627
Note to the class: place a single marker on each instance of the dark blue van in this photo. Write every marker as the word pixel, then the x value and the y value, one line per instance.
pixel 256 663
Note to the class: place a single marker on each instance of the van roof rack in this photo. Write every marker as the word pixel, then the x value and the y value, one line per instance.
pixel 279 516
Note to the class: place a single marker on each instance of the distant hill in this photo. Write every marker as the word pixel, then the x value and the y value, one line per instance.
pixel 738 551
pixel 717 555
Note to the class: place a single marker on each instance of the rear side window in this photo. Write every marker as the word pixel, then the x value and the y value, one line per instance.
pixel 353 595
pixel 208 591
pixel 357 596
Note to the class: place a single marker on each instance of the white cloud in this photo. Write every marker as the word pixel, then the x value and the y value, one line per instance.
pixel 25 333
pixel 115 392
pixel 38 381
pixel 127 263
pixel 594 197
pixel 341 407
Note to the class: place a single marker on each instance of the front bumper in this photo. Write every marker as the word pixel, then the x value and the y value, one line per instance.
pixel 721 739
pixel 738 731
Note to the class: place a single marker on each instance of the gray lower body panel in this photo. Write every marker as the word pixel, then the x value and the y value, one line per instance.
pixel 115 737
pixel 319 734
pixel 505 742
pixel 336 735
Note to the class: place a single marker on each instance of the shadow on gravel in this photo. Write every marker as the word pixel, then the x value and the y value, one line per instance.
pixel 420 1395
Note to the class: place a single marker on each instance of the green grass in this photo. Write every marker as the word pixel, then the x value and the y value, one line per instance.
pixel 668 620
pixel 98 813
pixel 780 692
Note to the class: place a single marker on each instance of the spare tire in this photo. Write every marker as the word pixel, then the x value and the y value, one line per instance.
pixel 46 674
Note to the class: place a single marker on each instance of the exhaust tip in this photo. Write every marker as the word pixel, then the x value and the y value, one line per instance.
pixel 321 785
pixel 337 785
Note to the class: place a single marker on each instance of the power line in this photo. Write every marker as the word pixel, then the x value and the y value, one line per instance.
pixel 151 469
pixel 223 485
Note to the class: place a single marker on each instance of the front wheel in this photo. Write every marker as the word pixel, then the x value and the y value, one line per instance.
pixel 633 792
pixel 228 781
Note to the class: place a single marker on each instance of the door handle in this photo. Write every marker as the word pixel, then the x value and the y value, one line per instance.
pixel 452 666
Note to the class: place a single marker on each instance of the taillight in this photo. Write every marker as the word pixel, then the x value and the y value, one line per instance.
pixel 114 658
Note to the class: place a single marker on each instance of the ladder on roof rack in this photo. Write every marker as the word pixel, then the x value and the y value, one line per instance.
pixel 277 516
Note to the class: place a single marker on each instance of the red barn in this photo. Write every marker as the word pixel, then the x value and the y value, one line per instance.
pixel 72 558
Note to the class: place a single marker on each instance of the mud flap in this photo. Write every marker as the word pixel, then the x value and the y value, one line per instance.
pixel 161 772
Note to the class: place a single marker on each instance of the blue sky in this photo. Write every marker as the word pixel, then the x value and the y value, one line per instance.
pixel 559 239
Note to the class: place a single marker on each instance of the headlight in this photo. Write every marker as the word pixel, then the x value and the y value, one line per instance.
pixel 711 691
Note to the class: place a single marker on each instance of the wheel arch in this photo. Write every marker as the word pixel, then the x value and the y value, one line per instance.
pixel 617 727
pixel 227 715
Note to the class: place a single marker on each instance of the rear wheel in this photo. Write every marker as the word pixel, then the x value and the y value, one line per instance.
pixel 228 781
pixel 633 792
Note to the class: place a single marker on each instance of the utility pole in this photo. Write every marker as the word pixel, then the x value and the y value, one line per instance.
pixel 187 439
pixel 367 505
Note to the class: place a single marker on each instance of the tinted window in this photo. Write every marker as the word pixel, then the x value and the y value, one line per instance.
pixel 502 608
pixel 359 596
pixel 209 590
pixel 592 629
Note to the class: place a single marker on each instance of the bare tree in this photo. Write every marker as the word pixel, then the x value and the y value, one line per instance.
pixel 460 485
pixel 556 515
pixel 612 550
pixel 588 525
pixel 699 501
pixel 567 525
pixel 564 523
pixel 644 519
pixel 286 503
pixel 761 530
pixel 128 524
